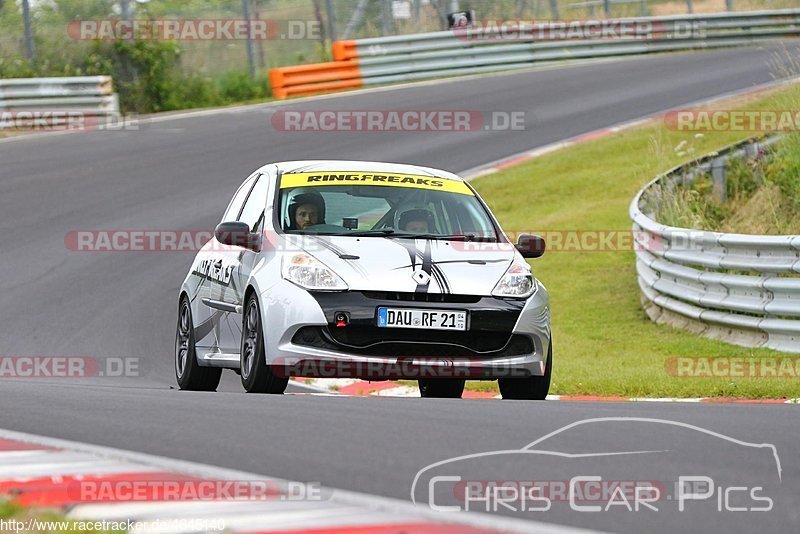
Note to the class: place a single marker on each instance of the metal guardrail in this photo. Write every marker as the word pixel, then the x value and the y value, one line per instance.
pixel 89 95
pixel 496 47
pixel 732 287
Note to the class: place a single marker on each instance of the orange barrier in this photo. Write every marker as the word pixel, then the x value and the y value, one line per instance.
pixel 314 78
pixel 344 50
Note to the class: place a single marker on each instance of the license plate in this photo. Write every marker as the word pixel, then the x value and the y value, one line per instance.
pixel 416 318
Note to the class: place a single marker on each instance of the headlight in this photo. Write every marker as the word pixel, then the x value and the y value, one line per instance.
pixel 308 272
pixel 516 282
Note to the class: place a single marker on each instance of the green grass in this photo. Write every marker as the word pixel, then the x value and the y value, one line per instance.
pixel 604 344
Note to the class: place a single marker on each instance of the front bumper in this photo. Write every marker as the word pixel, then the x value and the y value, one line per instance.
pixel 505 337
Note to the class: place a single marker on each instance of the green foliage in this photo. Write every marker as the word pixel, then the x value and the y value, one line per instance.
pixel 770 180
pixel 693 207
pixel 147 75
pixel 143 71
pixel 743 177
pixel 238 86
pixel 784 170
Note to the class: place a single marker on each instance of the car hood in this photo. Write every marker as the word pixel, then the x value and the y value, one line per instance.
pixel 409 265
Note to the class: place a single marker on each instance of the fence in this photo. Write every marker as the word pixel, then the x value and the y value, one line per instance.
pixel 733 287
pixel 91 96
pixel 391 59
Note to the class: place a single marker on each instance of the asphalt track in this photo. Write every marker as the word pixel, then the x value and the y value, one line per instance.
pixel 180 173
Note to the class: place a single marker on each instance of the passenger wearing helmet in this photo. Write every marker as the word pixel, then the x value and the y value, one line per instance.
pixel 418 220
pixel 305 210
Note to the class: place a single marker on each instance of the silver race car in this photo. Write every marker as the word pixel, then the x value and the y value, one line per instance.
pixel 363 270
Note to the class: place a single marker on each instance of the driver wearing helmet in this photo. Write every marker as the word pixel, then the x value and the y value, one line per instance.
pixel 415 219
pixel 305 210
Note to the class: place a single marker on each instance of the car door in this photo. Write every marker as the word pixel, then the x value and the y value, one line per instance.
pixel 236 263
pixel 211 266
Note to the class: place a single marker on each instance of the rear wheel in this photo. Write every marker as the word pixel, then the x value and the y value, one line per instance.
pixel 257 376
pixel 448 388
pixel 189 373
pixel 529 388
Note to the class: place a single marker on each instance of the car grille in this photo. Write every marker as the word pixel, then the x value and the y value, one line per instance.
pixel 368 340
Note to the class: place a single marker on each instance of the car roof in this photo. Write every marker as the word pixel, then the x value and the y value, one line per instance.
pixel 286 167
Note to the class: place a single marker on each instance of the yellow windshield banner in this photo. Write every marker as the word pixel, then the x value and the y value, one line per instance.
pixel 308 179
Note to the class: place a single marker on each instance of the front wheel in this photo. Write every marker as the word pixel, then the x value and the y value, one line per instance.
pixel 190 374
pixel 257 376
pixel 530 388
pixel 447 388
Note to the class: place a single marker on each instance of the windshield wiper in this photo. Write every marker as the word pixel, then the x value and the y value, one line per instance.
pixel 447 237
pixel 365 233
pixel 410 235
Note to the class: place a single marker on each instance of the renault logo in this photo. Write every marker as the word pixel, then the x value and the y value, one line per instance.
pixel 421 277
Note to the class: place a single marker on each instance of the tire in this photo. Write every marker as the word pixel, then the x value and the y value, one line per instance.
pixel 190 374
pixel 445 388
pixel 257 376
pixel 530 388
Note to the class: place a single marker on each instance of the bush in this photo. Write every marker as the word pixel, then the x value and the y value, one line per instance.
pixel 238 86
pixel 147 75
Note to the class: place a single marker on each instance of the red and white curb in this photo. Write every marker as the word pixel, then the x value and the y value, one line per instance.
pixel 52 473
pixel 362 388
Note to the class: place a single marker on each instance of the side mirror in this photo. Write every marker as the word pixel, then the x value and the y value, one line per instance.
pixel 237 234
pixel 530 245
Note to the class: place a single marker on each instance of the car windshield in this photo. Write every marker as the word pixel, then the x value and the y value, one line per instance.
pixel 382 205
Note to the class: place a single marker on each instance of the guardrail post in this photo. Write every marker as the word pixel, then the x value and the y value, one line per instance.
pixel 554 9
pixel 719 180
pixel 728 5
pixel 607 7
pixel 689 7
pixel 251 62
pixel 386 19
pixel 331 21
pixel 751 152
pixel 751 149
pixel 26 16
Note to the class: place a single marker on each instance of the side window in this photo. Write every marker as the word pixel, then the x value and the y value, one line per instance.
pixel 235 207
pixel 253 212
